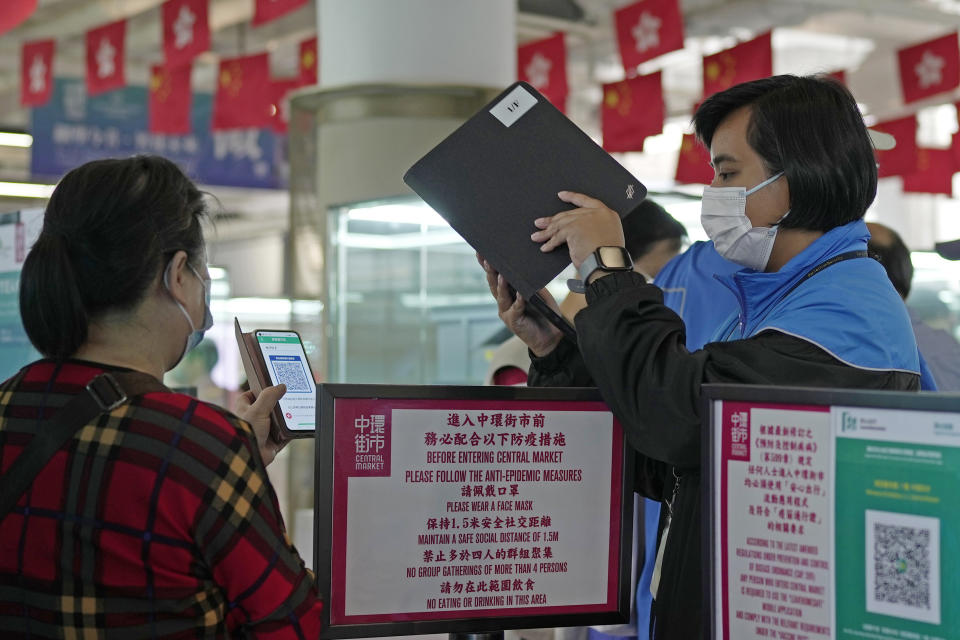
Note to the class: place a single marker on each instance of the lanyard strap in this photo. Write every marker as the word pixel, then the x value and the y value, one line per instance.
pixel 849 255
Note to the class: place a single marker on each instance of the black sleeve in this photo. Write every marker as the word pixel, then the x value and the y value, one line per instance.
pixel 634 348
pixel 564 367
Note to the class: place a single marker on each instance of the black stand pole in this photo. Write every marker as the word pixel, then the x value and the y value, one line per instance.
pixel 491 635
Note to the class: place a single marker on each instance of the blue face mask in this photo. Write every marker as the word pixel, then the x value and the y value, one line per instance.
pixel 196 335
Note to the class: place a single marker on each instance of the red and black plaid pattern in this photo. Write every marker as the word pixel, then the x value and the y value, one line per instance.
pixel 156 521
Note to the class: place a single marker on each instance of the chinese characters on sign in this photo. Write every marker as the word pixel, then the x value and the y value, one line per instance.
pixel 777 540
pixel 835 521
pixel 453 512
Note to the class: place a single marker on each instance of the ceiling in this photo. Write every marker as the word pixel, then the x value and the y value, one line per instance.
pixel 860 36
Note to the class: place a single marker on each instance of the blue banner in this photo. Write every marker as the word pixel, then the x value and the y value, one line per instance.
pixel 73 128
pixel 18 230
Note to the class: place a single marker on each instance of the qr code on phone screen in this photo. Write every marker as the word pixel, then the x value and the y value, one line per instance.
pixel 291 373
pixel 903 565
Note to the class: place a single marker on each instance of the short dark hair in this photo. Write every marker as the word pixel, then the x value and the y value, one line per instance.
pixel 109 228
pixel 889 249
pixel 810 128
pixel 650 223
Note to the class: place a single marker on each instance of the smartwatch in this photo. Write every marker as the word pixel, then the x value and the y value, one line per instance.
pixel 607 259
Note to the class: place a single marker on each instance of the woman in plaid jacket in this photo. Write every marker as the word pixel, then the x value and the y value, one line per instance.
pixel 156 519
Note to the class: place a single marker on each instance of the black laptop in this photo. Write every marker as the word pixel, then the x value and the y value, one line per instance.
pixel 502 169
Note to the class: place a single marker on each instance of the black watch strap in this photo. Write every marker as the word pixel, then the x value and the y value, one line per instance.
pixel 595 262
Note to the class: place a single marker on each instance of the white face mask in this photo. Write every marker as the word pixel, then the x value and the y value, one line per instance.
pixel 724 218
pixel 196 334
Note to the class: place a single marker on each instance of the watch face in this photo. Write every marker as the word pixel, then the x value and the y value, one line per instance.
pixel 614 257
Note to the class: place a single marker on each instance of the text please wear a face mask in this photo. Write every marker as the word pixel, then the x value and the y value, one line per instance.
pixel 723 216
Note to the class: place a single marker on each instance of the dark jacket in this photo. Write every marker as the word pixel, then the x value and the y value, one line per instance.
pixel 632 349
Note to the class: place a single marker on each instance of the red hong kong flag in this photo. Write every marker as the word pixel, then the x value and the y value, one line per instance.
pixel 244 93
pixel 632 110
pixel 280 106
pixel 169 102
pixel 186 30
pixel 646 30
pixel 839 75
pixel 747 61
pixel 105 47
pixel 934 174
pixel 544 65
pixel 902 159
pixel 36 72
pixel 309 62
pixel 929 68
pixel 15 12
pixel 267 10
pixel 693 162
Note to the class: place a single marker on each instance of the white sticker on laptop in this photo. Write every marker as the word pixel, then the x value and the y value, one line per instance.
pixel 517 103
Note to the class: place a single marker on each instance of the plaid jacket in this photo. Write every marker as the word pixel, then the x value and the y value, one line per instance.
pixel 156 520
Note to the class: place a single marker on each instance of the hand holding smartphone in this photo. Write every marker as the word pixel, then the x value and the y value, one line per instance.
pixel 277 356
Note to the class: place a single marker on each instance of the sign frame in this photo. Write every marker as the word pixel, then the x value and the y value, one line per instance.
pixel 715 394
pixel 329 393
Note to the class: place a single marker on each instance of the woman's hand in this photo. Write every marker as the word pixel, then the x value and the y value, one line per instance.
pixel 256 411
pixel 536 331
pixel 584 229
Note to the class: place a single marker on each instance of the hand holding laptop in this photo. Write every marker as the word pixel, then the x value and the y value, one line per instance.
pixel 539 333
pixel 584 229
pixel 502 169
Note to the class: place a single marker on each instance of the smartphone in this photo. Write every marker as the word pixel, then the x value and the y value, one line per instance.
pixel 538 307
pixel 286 362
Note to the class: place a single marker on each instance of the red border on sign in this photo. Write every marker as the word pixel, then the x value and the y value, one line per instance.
pixel 344 411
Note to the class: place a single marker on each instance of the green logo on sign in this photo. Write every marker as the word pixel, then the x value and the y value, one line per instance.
pixel 848 422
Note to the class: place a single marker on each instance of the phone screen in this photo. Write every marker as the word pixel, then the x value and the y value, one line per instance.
pixel 287 363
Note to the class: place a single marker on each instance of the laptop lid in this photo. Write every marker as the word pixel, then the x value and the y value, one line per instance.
pixel 502 169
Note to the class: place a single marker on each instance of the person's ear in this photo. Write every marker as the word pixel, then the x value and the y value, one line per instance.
pixel 179 272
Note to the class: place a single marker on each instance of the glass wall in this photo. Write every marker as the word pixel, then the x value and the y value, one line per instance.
pixel 935 291
pixel 408 302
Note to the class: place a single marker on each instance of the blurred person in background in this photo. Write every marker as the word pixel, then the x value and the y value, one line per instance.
pixel 939 351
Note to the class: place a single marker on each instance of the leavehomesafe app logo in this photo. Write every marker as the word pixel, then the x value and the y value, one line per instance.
pixel 848 422
pixel 736 421
pixel 371 445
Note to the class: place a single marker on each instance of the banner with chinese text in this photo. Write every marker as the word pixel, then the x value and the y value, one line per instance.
pixel 73 128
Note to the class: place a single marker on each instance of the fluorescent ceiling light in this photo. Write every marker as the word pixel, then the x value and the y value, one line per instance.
pixel 217 273
pixel 401 213
pixel 400 240
pixel 8 139
pixel 25 190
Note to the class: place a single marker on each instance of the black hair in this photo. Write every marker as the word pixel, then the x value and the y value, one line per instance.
pixel 109 228
pixel 888 248
pixel 647 224
pixel 810 128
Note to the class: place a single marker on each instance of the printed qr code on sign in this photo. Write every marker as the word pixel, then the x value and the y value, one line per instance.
pixel 292 375
pixel 903 565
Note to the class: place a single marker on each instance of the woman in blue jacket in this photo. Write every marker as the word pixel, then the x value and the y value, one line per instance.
pixel 794 175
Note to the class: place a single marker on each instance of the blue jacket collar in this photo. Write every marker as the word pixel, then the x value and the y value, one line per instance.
pixel 758 291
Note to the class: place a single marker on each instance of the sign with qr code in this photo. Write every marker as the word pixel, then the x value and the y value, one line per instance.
pixel 456 508
pixel 833 514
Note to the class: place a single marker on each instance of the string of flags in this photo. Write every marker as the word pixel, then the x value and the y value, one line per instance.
pixel 650 28
pixel 246 96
